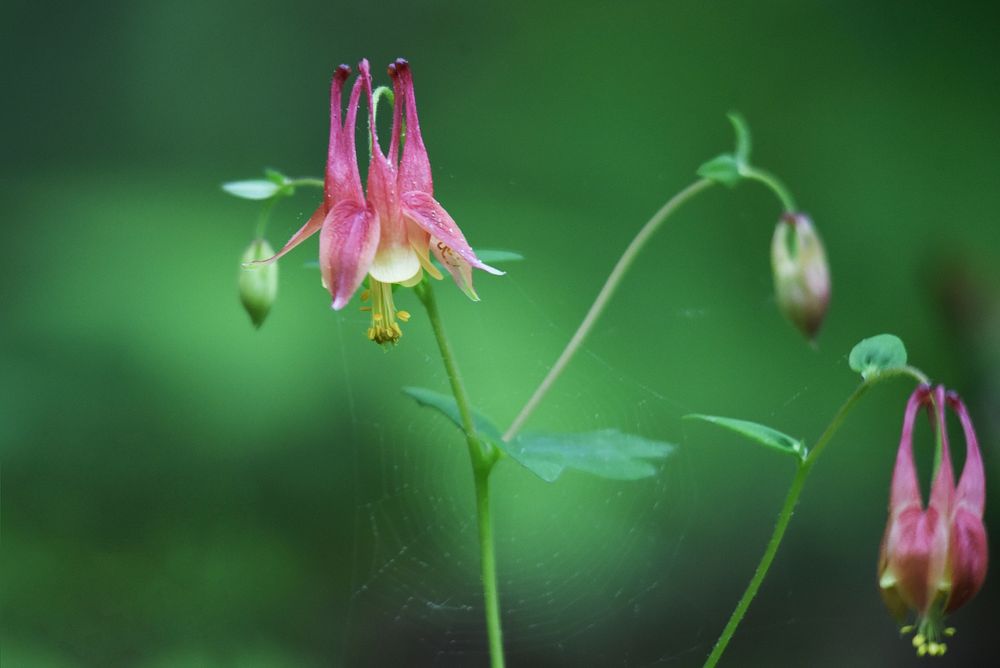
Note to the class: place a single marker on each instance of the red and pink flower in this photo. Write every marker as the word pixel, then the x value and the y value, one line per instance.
pixel 934 560
pixel 388 233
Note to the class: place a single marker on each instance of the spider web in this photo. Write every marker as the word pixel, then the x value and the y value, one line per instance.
pixel 578 561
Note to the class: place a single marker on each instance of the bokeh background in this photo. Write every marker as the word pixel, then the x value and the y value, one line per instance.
pixel 179 489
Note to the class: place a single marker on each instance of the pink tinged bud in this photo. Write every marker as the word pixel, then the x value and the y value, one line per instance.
pixel 801 273
pixel 933 560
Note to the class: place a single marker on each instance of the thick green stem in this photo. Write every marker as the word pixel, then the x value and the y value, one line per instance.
pixel 610 285
pixel 483 457
pixel 791 499
pixel 488 564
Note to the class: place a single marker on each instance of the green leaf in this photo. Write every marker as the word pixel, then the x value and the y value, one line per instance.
pixel 742 131
pixel 447 406
pixel 877 354
pixel 493 256
pixel 607 453
pixel 764 435
pixel 255 189
pixel 724 169
pixel 276 177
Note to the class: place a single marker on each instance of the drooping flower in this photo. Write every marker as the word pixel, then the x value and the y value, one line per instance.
pixel 801 273
pixel 934 560
pixel 387 234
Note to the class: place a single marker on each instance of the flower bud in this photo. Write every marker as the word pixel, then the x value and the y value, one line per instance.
pixel 258 283
pixel 801 273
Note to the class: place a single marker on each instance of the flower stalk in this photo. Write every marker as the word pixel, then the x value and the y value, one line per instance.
pixel 484 456
pixel 791 500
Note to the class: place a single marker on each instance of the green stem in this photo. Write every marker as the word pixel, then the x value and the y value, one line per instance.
pixel 772 182
pixel 483 456
pixel 488 562
pixel 315 183
pixel 610 285
pixel 791 499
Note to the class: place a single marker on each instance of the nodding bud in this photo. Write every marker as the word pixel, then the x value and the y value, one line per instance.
pixel 258 283
pixel 801 273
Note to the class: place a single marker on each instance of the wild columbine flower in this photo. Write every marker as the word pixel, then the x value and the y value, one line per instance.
pixel 386 236
pixel 934 560
pixel 801 273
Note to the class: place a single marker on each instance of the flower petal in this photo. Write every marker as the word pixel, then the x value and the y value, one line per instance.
pixel 415 167
pixel 310 228
pixel 425 211
pixel 969 551
pixel 459 269
pixel 346 248
pixel 343 181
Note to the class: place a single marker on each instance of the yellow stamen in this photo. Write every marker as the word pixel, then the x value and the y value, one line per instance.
pixel 384 328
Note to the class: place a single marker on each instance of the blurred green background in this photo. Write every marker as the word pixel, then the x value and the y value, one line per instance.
pixel 181 490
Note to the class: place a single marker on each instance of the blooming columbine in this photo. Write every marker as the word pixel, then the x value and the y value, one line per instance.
pixel 933 561
pixel 388 235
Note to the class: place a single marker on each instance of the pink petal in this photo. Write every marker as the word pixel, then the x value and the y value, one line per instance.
pixel 905 490
pixel 311 227
pixel 343 181
pixel 415 168
pixel 969 556
pixel 346 249
pixel 943 485
pixel 425 211
pixel 972 485
pixel 382 191
pixel 969 552
pixel 459 269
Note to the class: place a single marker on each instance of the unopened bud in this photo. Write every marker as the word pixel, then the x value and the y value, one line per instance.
pixel 801 273
pixel 258 283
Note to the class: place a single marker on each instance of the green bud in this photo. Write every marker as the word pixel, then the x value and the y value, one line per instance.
pixel 258 283
pixel 801 273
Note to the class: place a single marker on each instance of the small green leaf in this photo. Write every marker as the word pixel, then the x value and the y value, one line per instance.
pixel 877 354
pixel 448 407
pixel 276 177
pixel 255 189
pixel 724 169
pixel 742 131
pixel 764 435
pixel 607 453
pixel 493 256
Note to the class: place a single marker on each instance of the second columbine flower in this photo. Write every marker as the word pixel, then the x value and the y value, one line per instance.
pixel 934 560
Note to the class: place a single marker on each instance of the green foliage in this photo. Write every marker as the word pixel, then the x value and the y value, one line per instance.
pixel 762 434
pixel 878 354
pixel 446 405
pixel 256 189
pixel 730 168
pixel 607 453
pixel 724 169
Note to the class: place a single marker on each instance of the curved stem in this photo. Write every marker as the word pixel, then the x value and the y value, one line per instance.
pixel 483 457
pixel 315 183
pixel 772 182
pixel 791 499
pixel 610 285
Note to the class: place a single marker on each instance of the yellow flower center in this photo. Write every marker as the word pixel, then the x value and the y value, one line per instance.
pixel 384 328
